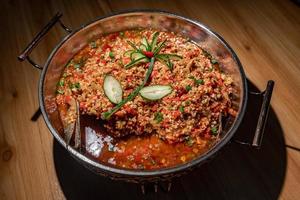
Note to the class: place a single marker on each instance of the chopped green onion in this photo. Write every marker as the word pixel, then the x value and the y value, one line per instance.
pixel 188 102
pixel 111 54
pixel 206 54
pixel 122 34
pixel 188 88
pixel 158 117
pixel 152 161
pixel 214 130
pixel 60 92
pixel 93 45
pixel 64 75
pixel 190 142
pixel 181 108
pixel 68 63
pixel 77 66
pixel 197 81
pixel 75 86
pixel 111 148
pixel 213 61
pixel 61 82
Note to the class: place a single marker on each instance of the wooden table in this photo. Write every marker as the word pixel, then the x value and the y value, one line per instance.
pixel 264 34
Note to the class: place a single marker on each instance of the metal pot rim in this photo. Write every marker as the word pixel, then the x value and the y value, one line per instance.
pixel 145 173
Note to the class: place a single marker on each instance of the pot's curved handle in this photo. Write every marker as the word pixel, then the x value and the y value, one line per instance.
pixel 25 53
pixel 263 116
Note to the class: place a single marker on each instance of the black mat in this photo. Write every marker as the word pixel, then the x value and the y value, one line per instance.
pixel 237 172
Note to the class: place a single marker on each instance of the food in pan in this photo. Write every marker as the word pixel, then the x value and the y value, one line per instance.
pixel 143 99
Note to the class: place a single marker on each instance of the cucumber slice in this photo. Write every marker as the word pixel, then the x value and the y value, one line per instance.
pixel 155 92
pixel 112 89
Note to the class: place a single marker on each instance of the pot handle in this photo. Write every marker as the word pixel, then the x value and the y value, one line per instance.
pixel 25 53
pixel 263 116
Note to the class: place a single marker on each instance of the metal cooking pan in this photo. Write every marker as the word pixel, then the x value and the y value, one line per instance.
pixel 196 31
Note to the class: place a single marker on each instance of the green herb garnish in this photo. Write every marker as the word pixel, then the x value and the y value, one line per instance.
pixel 158 117
pixel 93 45
pixel 111 55
pixel 197 81
pixel 74 86
pixel 61 82
pixel 122 34
pixel 188 102
pixel 188 88
pixel 111 148
pixel 147 50
pixel 214 130
pixel 189 141
pixel 152 161
pixel 213 61
pixel 60 92
pixel 77 66
pixel 80 63
pixel 181 109
pixel 209 56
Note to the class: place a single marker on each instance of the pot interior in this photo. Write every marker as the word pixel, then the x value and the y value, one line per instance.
pixel 198 33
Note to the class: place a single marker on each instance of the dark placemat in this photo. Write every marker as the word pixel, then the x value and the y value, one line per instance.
pixel 237 172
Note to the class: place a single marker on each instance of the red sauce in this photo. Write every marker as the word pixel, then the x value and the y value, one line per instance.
pixel 135 152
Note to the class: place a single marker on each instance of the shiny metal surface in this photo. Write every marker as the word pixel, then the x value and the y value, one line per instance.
pixel 162 21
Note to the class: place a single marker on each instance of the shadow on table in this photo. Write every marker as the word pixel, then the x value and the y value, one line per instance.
pixel 238 172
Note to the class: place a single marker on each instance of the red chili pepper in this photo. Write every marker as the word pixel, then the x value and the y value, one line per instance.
pixel 184 97
pixel 68 99
pixel 180 91
pixel 120 113
pixel 113 36
pixel 130 110
pixel 176 99
pixel 103 62
pixel 149 54
pixel 165 124
pixel 154 108
pixel 154 73
pixel 176 114
pixel 82 105
pixel 106 46
pixel 129 79
pixel 207 136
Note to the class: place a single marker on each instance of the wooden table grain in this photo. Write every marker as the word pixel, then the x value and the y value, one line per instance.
pixel 264 34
